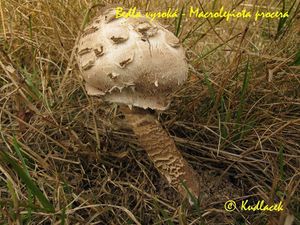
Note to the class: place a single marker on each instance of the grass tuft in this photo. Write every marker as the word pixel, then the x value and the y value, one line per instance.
pixel 67 158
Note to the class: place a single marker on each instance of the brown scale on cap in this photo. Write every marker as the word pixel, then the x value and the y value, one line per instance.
pixel 109 16
pixel 117 40
pixel 125 62
pixel 145 28
pixel 99 50
pixel 89 31
pixel 84 51
pixel 88 65
pixel 113 75
pixel 118 34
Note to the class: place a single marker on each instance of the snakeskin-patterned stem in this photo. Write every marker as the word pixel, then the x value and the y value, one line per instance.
pixel 162 151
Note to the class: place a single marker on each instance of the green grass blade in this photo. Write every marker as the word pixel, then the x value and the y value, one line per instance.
pixel 200 57
pixel 214 5
pixel 211 89
pixel 239 128
pixel 166 217
pixel 17 148
pixel 223 118
pixel 243 92
pixel 281 21
pixel 297 59
pixel 63 216
pixel 179 21
pixel 285 22
pixel 281 162
pixel 192 197
pixel 28 181
pixel 14 199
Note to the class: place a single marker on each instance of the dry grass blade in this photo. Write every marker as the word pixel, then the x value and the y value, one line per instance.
pixel 236 120
pixel 131 216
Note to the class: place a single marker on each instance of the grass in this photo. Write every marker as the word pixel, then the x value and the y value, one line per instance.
pixel 23 173
pixel 66 158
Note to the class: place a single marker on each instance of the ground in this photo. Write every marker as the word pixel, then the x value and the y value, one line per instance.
pixel 68 158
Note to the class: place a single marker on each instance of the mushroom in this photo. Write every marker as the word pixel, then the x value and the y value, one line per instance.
pixel 138 63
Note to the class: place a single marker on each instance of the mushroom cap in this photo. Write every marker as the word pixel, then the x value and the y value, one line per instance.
pixel 134 61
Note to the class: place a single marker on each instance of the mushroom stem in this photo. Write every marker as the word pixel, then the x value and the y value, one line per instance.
pixel 162 151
